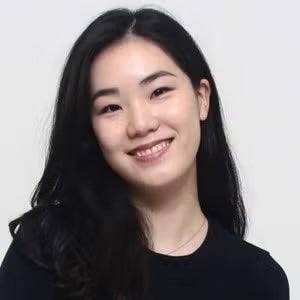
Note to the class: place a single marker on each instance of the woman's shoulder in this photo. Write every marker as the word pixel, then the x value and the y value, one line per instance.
pixel 253 264
pixel 20 278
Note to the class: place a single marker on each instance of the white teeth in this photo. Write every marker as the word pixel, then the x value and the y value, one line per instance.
pixel 154 149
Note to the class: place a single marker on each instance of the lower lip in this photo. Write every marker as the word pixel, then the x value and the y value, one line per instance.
pixel 153 157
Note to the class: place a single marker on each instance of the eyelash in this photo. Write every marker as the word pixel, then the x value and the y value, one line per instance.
pixel 105 109
pixel 162 89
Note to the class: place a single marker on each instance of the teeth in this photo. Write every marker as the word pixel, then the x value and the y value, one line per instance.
pixel 154 149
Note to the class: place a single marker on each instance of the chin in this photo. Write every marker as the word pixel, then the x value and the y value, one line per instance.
pixel 156 181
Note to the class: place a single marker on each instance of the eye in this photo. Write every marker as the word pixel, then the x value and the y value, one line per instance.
pixel 160 91
pixel 109 108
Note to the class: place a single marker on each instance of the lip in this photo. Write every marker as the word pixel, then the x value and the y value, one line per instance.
pixel 148 145
pixel 154 157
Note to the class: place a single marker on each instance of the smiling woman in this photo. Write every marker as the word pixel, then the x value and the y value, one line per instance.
pixel 140 197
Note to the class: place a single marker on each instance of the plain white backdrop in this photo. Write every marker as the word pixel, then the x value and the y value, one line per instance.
pixel 253 50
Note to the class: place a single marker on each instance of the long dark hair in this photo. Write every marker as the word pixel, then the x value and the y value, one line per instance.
pixel 82 225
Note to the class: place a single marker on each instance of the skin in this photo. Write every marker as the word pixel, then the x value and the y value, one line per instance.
pixel 165 191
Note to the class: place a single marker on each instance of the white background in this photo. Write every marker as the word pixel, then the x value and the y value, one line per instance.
pixel 253 49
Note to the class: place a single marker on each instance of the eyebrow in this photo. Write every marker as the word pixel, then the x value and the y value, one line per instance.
pixel 115 91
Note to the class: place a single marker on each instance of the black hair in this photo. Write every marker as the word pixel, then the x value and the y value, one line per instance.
pixel 82 225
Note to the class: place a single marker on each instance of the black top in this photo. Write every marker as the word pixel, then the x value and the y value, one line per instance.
pixel 223 267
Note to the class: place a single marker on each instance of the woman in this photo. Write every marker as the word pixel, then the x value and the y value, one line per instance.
pixel 140 197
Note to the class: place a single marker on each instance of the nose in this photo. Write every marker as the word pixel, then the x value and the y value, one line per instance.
pixel 141 120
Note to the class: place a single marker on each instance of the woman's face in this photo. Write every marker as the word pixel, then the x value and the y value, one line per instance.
pixel 141 96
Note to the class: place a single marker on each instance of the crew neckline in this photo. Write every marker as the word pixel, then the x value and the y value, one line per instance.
pixel 201 250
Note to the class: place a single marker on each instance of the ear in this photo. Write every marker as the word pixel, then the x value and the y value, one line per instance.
pixel 203 96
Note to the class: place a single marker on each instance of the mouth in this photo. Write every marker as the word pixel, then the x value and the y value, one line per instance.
pixel 151 154
pixel 151 147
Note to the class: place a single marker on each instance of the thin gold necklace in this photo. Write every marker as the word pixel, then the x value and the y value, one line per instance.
pixel 189 238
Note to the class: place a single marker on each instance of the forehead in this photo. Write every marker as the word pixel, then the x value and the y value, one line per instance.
pixel 131 58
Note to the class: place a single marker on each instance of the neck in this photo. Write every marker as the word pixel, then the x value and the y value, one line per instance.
pixel 173 212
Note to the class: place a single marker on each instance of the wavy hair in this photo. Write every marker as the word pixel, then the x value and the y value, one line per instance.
pixel 82 225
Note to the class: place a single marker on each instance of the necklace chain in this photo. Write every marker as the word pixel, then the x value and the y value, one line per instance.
pixel 189 238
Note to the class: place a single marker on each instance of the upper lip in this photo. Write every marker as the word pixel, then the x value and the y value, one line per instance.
pixel 148 145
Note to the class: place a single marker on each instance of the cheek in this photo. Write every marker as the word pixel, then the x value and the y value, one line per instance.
pixel 109 137
pixel 183 112
pixel 186 121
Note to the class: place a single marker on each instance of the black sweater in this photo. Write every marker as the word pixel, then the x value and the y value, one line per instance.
pixel 223 267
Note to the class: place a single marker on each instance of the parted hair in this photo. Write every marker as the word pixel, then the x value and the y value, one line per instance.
pixel 82 226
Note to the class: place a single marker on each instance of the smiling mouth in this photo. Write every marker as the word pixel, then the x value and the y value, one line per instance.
pixel 152 154
pixel 158 147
